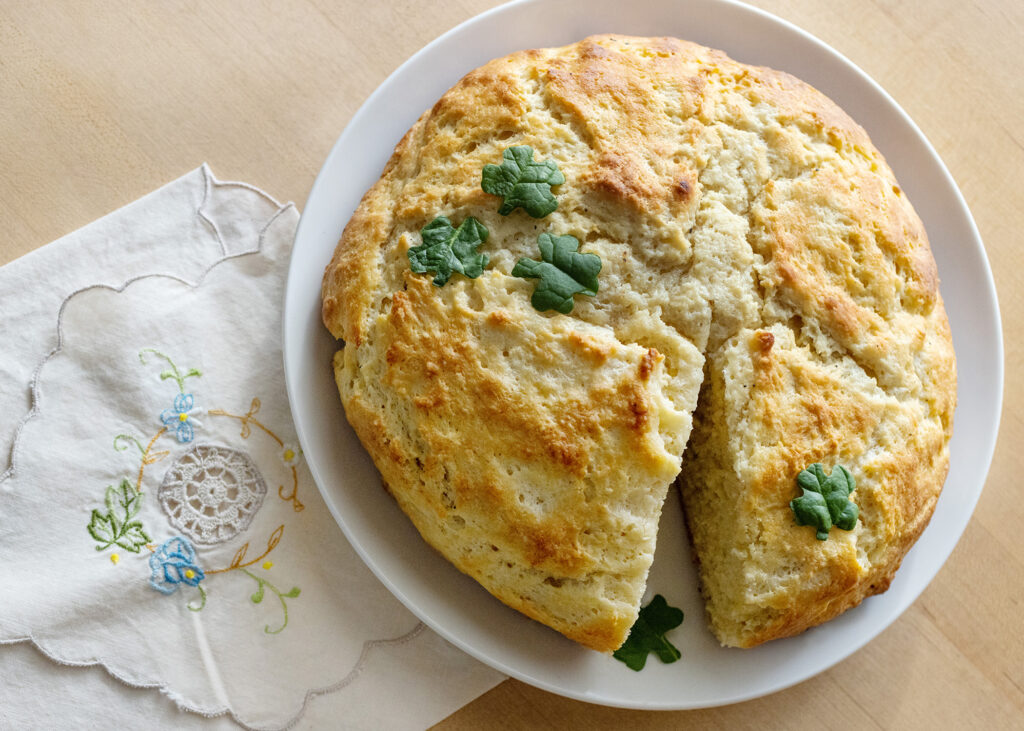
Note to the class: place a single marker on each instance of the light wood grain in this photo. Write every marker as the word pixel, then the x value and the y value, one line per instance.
pixel 101 102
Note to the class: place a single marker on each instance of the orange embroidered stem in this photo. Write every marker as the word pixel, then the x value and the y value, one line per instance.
pixel 292 497
pixel 236 562
pixel 148 458
pixel 147 455
pixel 249 418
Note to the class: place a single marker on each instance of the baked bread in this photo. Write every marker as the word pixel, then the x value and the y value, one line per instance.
pixel 756 251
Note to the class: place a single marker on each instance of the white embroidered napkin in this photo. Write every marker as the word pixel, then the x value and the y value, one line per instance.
pixel 156 517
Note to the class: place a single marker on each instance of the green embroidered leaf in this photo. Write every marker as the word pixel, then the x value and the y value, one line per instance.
pixel 133 537
pixel 293 593
pixel 562 273
pixel 115 511
pixel 127 498
pixel 257 597
pixel 101 529
pixel 133 499
pixel 116 525
pixel 522 182
pixel 648 635
pixel 446 249
pixel 825 500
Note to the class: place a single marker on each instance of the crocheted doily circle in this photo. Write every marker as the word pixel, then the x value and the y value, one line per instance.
pixel 211 493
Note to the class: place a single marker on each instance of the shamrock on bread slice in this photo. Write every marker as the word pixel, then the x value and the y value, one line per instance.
pixel 562 272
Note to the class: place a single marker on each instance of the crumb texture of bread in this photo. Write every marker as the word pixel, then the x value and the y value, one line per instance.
pixel 757 255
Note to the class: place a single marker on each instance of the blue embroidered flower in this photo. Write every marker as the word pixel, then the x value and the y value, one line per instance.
pixel 175 562
pixel 178 418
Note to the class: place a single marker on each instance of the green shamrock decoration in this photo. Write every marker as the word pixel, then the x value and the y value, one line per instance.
pixel 562 272
pixel 522 182
pixel 825 500
pixel 648 635
pixel 446 249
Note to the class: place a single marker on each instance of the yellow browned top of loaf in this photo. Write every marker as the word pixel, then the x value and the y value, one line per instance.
pixel 730 205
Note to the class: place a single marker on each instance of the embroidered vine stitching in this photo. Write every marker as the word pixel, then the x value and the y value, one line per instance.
pixel 173 371
pixel 257 597
pixel 115 526
pixel 148 455
pixel 236 561
pixel 175 562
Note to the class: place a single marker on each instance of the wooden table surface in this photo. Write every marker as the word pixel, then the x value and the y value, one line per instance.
pixel 101 102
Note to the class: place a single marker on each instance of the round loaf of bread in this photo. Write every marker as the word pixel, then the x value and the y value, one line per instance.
pixel 764 281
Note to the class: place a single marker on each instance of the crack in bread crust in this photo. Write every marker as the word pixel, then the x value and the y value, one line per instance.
pixel 756 251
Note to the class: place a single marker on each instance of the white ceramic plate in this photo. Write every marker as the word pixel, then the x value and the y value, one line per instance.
pixel 453 604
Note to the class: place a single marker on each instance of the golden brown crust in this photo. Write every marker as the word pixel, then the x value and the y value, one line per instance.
pixel 738 214
pixel 505 484
pixel 801 413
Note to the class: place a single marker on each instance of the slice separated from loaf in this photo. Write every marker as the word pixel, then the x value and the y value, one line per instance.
pixel 533 452
pixel 755 250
